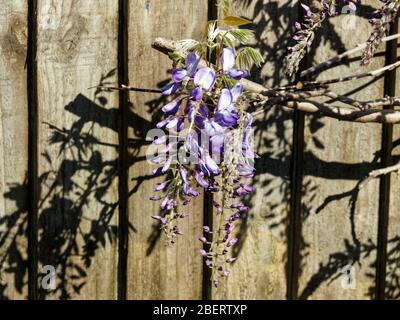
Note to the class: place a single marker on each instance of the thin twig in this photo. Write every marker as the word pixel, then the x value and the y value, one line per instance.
pixel 127 88
pixel 380 172
pixel 322 83
pixel 331 61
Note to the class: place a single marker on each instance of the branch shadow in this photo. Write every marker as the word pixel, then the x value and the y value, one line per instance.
pixel 275 20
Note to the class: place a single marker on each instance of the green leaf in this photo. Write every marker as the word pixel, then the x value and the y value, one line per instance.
pixel 241 35
pixel 234 21
pixel 247 57
pixel 183 47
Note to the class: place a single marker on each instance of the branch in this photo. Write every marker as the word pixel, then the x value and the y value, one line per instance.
pixel 380 172
pixel 361 75
pixel 340 113
pixel 385 171
pixel 328 63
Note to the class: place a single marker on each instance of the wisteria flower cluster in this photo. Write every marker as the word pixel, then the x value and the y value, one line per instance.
pixel 205 142
pixel 316 14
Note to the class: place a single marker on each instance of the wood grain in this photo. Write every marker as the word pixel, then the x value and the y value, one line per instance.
pixel 392 291
pixel 260 271
pixel 13 150
pixel 339 221
pixel 78 148
pixel 156 272
pixel 392 287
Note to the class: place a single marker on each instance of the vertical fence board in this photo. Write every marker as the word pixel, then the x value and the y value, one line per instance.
pixel 260 271
pixel 13 149
pixel 392 288
pixel 78 148
pixel 392 291
pixel 339 220
pixel 156 272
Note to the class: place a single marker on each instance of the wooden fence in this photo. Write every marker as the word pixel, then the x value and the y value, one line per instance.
pixel 74 180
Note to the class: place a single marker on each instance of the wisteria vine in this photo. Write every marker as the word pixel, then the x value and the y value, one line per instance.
pixel 208 142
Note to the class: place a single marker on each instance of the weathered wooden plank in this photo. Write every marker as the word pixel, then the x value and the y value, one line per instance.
pixel 260 271
pixel 340 221
pixel 156 272
pixel 78 148
pixel 392 288
pixel 13 149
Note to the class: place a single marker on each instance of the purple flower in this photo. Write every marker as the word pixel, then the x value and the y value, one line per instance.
pixel 217 206
pixel 160 219
pixel 225 100
pixel 178 75
pixel 170 89
pixel 205 78
pixel 227 115
pixel 165 122
pixel 203 239
pixel 232 242
pixel 228 59
pixel 165 202
pixel 236 91
pixel 229 227
pixel 245 170
pixel 156 172
pixel 191 143
pixel 161 186
pixel 166 165
pixel 200 116
pixel 225 273
pixel 187 190
pixel 172 123
pixel 228 62
pixel 203 252
pixel 234 217
pixel 212 128
pixel 238 74
pixel 183 175
pixel 243 190
pixel 172 107
pixel 211 165
pixel 246 150
pixel 196 94
pixel 192 62
pixel 199 176
pixel 155 198
pixel 206 229
pixel 240 206
pixel 217 144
